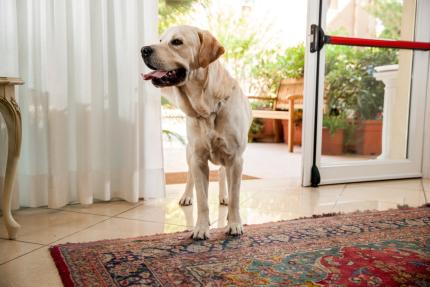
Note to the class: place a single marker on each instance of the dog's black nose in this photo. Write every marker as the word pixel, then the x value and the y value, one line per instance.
pixel 146 51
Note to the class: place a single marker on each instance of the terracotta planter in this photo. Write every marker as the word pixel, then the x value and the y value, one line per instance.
pixel 297 132
pixel 267 127
pixel 332 144
pixel 369 137
pixel 267 134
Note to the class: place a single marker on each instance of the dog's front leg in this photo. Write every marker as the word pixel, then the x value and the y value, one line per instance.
pixel 200 172
pixel 234 178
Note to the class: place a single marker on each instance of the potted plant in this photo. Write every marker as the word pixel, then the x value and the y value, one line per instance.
pixel 369 137
pixel 261 130
pixel 333 134
pixel 298 116
pixel 353 89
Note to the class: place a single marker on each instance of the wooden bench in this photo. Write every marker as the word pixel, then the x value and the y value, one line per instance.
pixel 289 98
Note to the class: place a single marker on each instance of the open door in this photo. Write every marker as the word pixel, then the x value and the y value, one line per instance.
pixel 365 94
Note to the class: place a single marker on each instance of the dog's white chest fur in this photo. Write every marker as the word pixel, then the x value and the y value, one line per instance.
pixel 210 138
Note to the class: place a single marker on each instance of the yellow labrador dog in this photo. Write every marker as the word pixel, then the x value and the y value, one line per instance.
pixel 218 115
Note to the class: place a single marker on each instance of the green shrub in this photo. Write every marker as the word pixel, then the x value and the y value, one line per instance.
pixel 271 66
pixel 256 126
pixel 351 85
pixel 333 122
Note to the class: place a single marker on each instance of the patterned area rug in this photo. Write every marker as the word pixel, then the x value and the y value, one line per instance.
pixel 389 248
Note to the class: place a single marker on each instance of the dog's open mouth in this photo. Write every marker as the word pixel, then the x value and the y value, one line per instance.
pixel 166 78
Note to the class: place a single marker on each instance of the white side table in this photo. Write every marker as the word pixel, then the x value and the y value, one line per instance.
pixel 12 116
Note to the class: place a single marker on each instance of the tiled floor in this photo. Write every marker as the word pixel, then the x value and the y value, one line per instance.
pixel 26 261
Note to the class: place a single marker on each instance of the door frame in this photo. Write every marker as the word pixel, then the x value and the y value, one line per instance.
pixel 373 169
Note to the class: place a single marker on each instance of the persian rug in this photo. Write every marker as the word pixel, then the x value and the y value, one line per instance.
pixel 389 248
pixel 181 177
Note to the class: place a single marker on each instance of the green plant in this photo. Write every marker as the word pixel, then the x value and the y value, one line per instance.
pixel 166 104
pixel 171 135
pixel 335 122
pixel 350 128
pixel 172 12
pixel 351 85
pixel 256 126
pixel 276 64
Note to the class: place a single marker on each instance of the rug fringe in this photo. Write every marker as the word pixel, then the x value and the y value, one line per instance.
pixel 63 270
pixel 330 214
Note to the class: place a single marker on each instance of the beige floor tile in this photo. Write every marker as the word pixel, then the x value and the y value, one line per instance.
pixel 255 216
pixel 398 192
pixel 10 249
pixel 401 184
pixel 426 184
pixel 426 187
pixel 43 226
pixel 299 201
pixel 32 270
pixel 168 211
pixel 120 228
pixel 273 184
pixel 109 208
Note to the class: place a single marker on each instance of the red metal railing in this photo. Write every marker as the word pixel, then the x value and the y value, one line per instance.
pixel 348 41
pixel 320 39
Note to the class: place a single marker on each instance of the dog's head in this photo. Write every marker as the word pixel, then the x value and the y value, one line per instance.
pixel 181 50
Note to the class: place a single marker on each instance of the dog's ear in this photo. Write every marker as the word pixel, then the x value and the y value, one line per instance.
pixel 210 49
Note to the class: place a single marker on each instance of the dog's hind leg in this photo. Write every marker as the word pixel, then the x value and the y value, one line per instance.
pixel 234 178
pixel 222 180
pixel 187 196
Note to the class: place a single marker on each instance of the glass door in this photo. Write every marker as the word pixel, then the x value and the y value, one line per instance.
pixel 366 76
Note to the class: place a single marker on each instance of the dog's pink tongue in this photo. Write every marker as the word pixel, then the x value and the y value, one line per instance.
pixel 153 75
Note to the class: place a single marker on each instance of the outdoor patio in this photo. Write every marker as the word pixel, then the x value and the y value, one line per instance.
pixel 261 160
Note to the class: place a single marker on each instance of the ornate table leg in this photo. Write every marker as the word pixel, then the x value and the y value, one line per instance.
pixel 12 116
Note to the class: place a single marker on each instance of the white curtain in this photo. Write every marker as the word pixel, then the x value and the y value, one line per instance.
pixel 91 127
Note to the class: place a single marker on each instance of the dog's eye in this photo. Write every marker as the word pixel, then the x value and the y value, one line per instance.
pixel 176 42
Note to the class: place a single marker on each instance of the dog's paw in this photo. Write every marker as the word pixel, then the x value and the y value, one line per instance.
pixel 223 200
pixel 234 229
pixel 201 232
pixel 186 200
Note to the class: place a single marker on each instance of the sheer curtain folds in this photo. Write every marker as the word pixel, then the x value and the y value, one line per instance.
pixel 91 127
